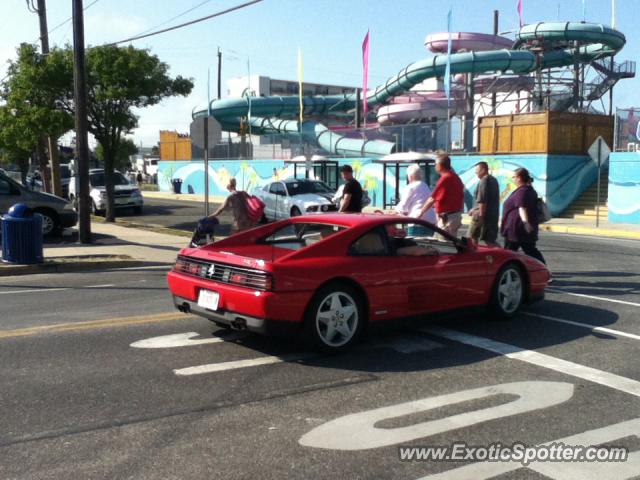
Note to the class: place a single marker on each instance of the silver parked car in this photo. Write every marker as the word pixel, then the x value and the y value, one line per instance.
pixel 126 194
pixel 57 213
pixel 289 198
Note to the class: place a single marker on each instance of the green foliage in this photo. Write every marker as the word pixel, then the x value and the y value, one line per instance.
pixel 126 147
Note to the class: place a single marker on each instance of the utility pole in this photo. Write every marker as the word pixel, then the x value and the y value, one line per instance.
pixel 496 20
pixel 220 74
pixel 51 142
pixel 82 141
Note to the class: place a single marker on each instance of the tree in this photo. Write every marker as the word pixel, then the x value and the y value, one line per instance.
pixel 118 80
pixel 125 149
pixel 31 109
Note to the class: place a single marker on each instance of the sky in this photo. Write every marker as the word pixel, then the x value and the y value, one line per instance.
pixel 268 34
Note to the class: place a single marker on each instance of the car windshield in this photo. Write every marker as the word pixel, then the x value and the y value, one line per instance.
pixel 299 188
pixel 97 179
pixel 295 236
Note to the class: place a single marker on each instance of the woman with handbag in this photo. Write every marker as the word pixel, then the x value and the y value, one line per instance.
pixel 520 216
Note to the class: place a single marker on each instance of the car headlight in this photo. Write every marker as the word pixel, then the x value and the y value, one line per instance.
pixel 68 207
pixel 312 208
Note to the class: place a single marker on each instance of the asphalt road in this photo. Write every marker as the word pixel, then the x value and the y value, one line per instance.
pixel 99 379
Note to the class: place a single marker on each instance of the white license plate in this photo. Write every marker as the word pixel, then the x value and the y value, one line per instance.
pixel 122 201
pixel 208 299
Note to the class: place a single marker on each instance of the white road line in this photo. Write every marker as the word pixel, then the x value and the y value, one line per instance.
pixel 603 299
pixel 236 364
pixel 180 340
pixel 39 290
pixel 100 286
pixel 607 379
pixel 593 328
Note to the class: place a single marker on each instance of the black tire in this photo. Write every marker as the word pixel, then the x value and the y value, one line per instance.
pixel 348 328
pixel 509 282
pixel 295 212
pixel 50 221
pixel 94 209
pixel 137 210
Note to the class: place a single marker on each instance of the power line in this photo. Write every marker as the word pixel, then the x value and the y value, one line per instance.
pixel 66 21
pixel 175 18
pixel 182 25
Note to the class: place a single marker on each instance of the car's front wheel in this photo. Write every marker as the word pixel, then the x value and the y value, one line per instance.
pixel 50 222
pixel 335 318
pixel 508 291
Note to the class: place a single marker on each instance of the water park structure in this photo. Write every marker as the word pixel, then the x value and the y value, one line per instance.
pixel 559 72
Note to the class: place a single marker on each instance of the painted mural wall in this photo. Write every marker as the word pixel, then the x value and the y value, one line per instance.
pixel 624 187
pixel 558 178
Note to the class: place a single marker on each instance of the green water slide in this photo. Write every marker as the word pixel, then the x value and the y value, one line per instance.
pixel 559 44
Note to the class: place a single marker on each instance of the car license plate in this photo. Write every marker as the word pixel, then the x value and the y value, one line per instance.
pixel 122 201
pixel 208 299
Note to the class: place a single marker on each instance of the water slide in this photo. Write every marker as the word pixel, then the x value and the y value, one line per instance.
pixel 560 44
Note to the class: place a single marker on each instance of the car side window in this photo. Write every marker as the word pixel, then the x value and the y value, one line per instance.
pixel 373 243
pixel 7 189
pixel 277 188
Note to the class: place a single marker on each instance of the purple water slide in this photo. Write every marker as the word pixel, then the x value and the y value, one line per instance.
pixel 467 41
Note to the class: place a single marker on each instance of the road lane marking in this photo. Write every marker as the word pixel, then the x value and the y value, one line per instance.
pixel 34 290
pixel 95 324
pixel 593 297
pixel 236 364
pixel 99 286
pixel 401 344
pixel 361 431
pixel 180 340
pixel 594 375
pixel 593 328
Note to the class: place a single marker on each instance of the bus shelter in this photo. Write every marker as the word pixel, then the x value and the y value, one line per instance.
pixel 396 164
pixel 323 169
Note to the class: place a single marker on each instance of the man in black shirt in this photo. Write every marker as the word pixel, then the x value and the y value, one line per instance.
pixel 485 213
pixel 352 194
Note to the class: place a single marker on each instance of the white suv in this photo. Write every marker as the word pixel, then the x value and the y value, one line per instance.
pixel 126 194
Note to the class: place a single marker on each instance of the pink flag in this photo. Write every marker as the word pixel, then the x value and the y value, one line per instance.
pixel 520 12
pixel 365 72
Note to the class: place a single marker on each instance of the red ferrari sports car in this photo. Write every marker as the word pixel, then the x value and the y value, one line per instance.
pixel 328 277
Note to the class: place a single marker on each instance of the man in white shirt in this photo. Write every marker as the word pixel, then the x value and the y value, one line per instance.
pixel 414 196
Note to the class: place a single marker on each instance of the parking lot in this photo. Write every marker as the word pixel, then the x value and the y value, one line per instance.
pixel 106 381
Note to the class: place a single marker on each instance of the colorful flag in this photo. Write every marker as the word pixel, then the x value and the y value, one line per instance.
pixel 584 10
pixel 365 74
pixel 209 91
pixel 300 93
pixel 447 70
pixel 613 14
pixel 249 95
pixel 520 12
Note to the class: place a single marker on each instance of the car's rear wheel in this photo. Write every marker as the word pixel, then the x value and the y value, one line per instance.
pixel 335 318
pixel 508 291
pixel 50 222
pixel 295 212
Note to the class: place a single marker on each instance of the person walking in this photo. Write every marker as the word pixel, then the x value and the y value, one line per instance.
pixel 520 216
pixel 139 179
pixel 485 213
pixel 351 201
pixel 236 202
pixel 413 197
pixel 447 197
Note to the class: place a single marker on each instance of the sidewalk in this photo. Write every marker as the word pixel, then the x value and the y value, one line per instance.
pixel 588 227
pixel 184 197
pixel 114 246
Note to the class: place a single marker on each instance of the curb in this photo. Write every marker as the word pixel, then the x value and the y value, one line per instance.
pixel 592 231
pixel 64 267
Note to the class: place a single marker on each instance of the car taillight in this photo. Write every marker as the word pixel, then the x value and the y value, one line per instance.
pixel 185 266
pixel 259 282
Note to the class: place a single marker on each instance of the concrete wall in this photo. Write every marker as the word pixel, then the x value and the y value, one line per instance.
pixel 624 187
pixel 559 179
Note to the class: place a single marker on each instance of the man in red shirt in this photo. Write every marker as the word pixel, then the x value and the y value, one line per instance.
pixel 447 197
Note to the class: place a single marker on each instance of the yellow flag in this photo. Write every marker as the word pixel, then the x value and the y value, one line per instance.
pixel 300 86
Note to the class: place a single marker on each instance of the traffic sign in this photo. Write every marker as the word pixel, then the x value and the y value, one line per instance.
pixel 599 151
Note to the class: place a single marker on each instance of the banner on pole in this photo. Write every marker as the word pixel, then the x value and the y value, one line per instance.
pixel 300 92
pixel 447 71
pixel 520 12
pixel 365 75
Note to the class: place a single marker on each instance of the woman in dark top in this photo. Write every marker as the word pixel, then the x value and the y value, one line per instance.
pixel 520 217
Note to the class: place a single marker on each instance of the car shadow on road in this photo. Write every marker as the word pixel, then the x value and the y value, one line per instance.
pixel 412 348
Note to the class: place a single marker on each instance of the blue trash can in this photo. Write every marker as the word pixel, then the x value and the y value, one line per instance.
pixel 22 236
pixel 177 185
